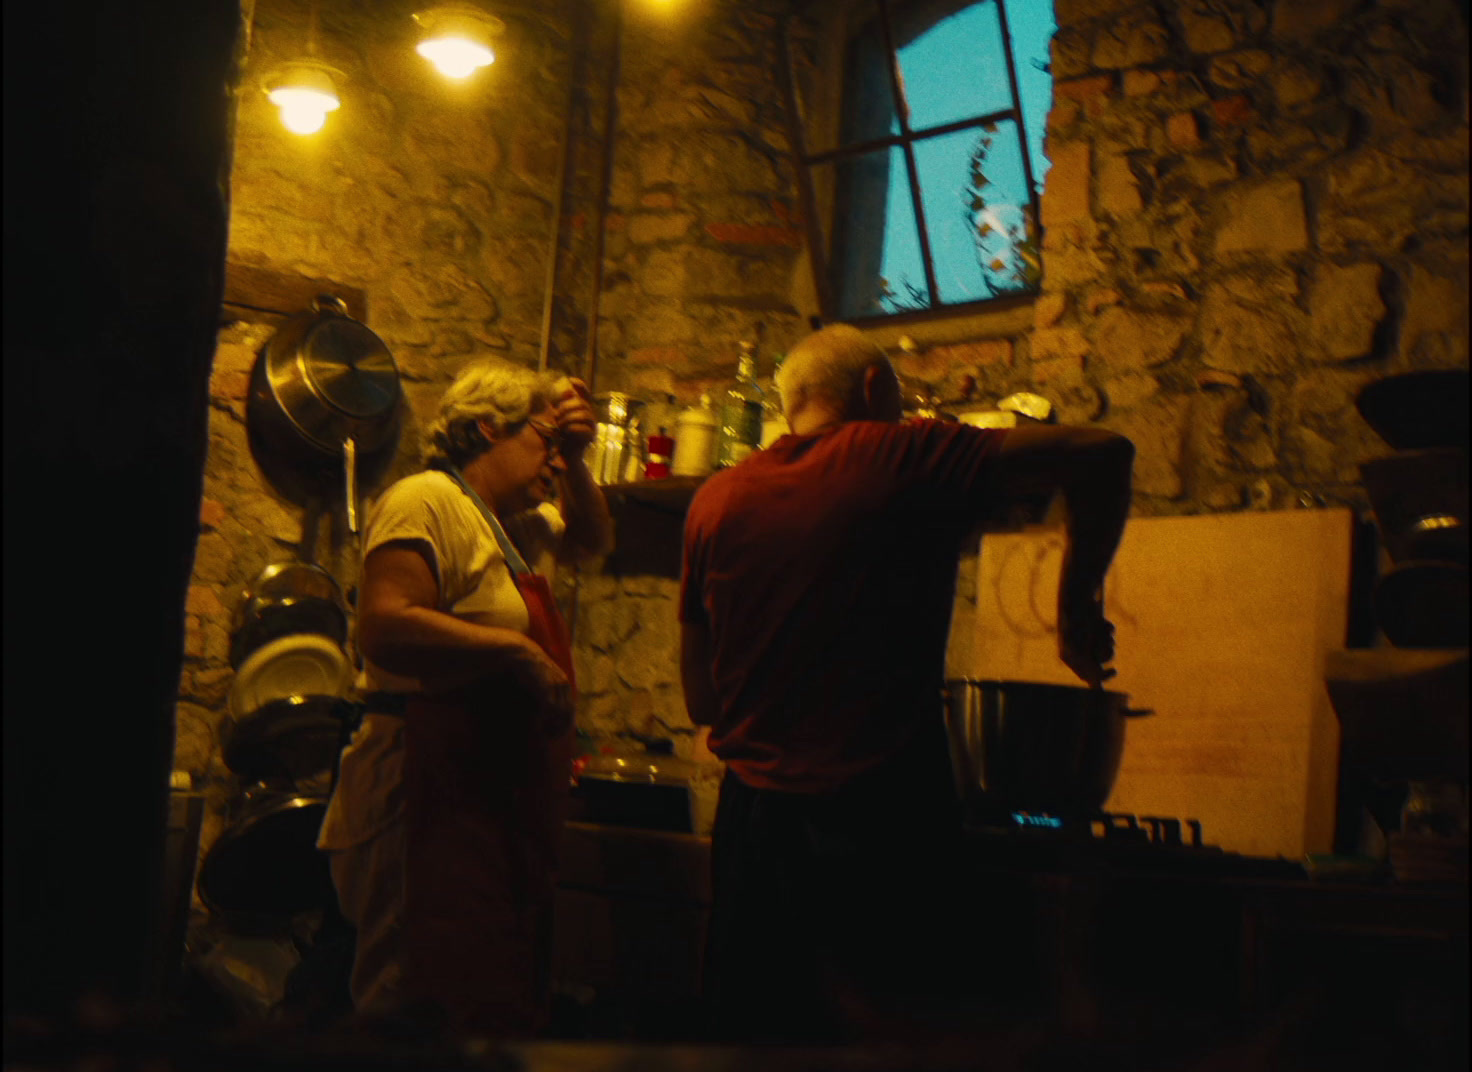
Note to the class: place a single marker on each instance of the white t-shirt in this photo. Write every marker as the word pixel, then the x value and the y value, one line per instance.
pixel 432 511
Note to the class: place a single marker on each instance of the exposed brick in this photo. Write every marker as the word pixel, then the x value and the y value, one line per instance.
pixel 1098 299
pixel 211 513
pixel 1183 131
pixel 614 221
pixel 1091 93
pixel 202 600
pixel 750 234
pixel 1064 112
pixel 1048 343
pixel 193 637
pixel 1233 111
pixel 656 355
pixel 1138 83
pixel 657 199
pixel 1066 189
pixel 229 384
pixel 1082 89
pixel 1048 310
pixel 1059 370
pixel 982 352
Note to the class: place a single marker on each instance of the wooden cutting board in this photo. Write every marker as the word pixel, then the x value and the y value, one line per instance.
pixel 1223 624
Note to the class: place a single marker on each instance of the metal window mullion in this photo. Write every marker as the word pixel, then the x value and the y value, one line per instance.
pixel 902 110
pixel 1032 192
pixel 861 147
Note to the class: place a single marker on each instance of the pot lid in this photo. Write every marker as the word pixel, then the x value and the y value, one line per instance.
pixel 349 367
pixel 302 664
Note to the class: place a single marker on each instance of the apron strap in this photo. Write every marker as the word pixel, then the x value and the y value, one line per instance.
pixel 514 561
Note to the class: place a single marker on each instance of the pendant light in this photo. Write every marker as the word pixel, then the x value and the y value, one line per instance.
pixel 303 88
pixel 457 38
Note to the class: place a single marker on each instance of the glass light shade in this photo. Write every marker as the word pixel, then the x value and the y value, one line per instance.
pixel 457 38
pixel 456 57
pixel 305 94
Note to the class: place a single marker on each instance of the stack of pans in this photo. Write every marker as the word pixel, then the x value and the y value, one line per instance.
pixel 288 718
pixel 1419 495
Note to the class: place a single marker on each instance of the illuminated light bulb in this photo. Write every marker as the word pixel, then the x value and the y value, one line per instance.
pixel 305 93
pixel 457 38
pixel 456 57
pixel 303 111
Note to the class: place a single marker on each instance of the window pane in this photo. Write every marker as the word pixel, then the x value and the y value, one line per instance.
pixel 974 193
pixel 955 68
pixel 874 257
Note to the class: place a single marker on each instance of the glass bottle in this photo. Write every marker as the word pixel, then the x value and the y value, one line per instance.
pixel 741 412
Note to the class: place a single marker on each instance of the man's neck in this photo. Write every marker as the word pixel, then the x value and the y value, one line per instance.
pixel 812 419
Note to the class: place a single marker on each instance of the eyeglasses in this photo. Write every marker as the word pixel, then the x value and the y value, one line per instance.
pixel 551 437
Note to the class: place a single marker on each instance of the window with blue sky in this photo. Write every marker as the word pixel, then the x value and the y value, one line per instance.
pixel 938 163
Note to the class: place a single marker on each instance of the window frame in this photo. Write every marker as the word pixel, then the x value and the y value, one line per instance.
pixel 805 162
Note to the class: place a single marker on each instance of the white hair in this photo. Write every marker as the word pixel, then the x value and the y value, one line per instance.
pixel 830 364
pixel 491 390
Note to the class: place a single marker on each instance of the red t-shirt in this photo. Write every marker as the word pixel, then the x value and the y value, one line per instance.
pixel 824 567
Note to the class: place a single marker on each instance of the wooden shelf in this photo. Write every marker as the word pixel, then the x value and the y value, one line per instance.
pixel 649 521
pixel 672 494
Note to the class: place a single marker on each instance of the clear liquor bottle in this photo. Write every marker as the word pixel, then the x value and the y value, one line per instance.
pixel 741 411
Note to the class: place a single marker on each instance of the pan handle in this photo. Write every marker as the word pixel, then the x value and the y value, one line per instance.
pixel 1136 712
pixel 350 472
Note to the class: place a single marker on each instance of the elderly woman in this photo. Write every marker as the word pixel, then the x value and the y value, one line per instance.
pixel 442 828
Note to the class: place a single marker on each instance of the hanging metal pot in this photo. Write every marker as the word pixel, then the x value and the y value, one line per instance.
pixel 287 598
pixel 325 388
pixel 265 866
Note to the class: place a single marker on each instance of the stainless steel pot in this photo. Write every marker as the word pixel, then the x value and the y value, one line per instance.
pixel 334 385
pixel 293 738
pixel 286 598
pixel 1034 747
pixel 265 866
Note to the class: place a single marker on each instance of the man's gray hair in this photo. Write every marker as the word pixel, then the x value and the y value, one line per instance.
pixel 830 364
pixel 490 390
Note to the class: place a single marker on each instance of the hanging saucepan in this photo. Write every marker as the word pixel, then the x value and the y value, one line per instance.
pixel 265 867
pixel 292 739
pixel 328 386
pixel 286 598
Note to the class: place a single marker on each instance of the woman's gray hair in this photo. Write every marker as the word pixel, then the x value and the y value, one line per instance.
pixel 830 364
pixel 491 390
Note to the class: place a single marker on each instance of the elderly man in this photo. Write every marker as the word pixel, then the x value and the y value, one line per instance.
pixel 816 599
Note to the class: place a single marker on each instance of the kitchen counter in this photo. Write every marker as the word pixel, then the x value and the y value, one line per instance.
pixel 1081 943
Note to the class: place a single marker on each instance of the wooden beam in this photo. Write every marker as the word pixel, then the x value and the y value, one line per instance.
pixel 264 290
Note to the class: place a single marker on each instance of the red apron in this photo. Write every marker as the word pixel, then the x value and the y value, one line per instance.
pixel 486 783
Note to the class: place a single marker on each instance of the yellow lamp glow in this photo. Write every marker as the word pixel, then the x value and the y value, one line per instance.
pixel 305 93
pixel 457 38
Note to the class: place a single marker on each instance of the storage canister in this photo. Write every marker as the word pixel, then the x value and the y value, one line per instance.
pixel 697 433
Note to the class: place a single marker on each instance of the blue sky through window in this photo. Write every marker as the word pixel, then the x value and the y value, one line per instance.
pixel 952 71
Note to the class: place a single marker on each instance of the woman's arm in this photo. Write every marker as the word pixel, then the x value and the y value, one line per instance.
pixel 589 525
pixel 401 629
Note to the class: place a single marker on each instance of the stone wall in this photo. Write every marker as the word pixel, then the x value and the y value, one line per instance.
pixel 438 201
pixel 1252 210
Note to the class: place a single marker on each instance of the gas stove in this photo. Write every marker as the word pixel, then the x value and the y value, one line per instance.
pixel 1115 841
